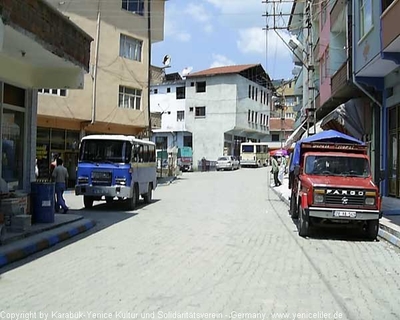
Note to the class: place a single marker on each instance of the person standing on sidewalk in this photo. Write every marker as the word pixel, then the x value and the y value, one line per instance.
pixel 60 176
pixel 275 171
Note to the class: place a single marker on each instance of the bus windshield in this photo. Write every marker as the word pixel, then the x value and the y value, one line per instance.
pixel 247 148
pixel 114 151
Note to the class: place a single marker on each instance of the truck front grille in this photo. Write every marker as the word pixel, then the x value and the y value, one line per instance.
pixel 101 178
pixel 345 197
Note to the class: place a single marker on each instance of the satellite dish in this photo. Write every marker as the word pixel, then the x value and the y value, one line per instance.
pixel 186 71
pixel 167 61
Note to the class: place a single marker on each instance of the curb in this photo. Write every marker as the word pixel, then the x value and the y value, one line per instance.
pixel 43 243
pixel 384 232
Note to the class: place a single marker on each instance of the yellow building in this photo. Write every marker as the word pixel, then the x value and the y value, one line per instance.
pixel 115 96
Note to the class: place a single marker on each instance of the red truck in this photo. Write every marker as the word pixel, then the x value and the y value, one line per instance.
pixel 331 182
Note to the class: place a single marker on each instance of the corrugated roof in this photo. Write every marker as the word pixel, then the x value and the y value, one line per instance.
pixel 276 124
pixel 222 70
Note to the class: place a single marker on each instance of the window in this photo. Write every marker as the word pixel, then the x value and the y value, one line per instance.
pixel 252 93
pixel 249 116
pixel 365 16
pixel 275 137
pixel 252 116
pixel 256 94
pixel 155 91
pixel 187 141
pixel 130 48
pixel 256 118
pixel 129 98
pixel 56 92
pixel 180 93
pixel 201 86
pixel 249 91
pixel 180 116
pixel 200 111
pixel 161 142
pixel 192 84
pixel 168 90
pixel 136 6
pixel 191 109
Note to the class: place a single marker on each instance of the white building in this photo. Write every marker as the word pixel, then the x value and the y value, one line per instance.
pixel 169 98
pixel 225 106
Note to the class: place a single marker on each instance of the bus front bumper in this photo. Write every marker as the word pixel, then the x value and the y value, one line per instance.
pixel 99 191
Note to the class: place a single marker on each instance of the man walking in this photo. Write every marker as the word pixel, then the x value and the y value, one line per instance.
pixel 60 176
pixel 275 171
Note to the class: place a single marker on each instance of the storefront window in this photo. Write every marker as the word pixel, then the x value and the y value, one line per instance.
pixel 13 148
pixel 57 140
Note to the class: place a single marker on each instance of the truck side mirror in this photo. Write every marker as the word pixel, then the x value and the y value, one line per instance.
pixel 382 175
pixel 296 170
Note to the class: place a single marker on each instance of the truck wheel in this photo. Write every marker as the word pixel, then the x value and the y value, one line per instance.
pixel 88 202
pixel 303 224
pixel 149 195
pixel 131 202
pixel 109 200
pixel 293 208
pixel 372 229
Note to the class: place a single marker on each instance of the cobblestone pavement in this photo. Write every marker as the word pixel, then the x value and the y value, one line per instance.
pixel 217 242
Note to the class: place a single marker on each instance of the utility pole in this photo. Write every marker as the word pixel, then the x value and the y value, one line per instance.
pixel 149 64
pixel 306 57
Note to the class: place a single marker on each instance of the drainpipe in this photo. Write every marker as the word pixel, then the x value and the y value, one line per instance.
pixel 96 61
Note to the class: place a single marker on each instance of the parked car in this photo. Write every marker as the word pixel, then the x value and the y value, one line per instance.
pixel 227 163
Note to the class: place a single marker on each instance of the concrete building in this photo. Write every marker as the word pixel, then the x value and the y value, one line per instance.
pixel 115 96
pixel 39 47
pixel 225 106
pixel 168 98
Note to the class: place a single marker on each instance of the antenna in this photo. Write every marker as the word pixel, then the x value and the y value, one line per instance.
pixel 186 71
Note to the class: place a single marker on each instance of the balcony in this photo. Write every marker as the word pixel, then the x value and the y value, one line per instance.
pixel 390 30
pixel 338 16
pixel 339 80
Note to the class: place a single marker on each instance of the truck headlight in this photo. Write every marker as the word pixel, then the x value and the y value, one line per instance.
pixel 369 201
pixel 319 196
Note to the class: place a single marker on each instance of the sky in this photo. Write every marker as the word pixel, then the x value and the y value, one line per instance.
pixel 201 34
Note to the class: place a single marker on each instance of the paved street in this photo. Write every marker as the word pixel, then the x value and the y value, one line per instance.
pixel 216 242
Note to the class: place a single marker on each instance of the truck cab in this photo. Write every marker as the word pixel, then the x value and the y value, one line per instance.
pixel 331 182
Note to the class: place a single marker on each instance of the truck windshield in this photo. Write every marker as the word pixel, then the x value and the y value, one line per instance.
pixel 247 148
pixel 113 151
pixel 341 166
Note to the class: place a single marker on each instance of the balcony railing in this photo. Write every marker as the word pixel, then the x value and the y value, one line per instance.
pixel 339 79
pixel 390 18
pixel 317 102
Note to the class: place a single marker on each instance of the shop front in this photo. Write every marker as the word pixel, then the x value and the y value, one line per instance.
pixel 53 142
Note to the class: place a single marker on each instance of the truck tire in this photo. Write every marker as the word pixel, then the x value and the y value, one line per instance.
pixel 303 223
pixel 88 202
pixel 372 229
pixel 293 211
pixel 109 200
pixel 131 202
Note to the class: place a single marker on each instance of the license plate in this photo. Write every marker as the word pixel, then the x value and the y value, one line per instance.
pixel 346 214
pixel 98 191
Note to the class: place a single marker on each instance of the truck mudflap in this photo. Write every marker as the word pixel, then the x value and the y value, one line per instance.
pixel 343 214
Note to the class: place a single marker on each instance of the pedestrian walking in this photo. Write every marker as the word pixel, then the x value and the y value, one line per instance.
pixel 275 171
pixel 60 176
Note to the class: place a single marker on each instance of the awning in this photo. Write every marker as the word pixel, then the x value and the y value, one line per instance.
pixel 296 135
pixel 347 118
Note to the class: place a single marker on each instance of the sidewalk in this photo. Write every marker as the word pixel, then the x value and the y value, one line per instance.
pixel 389 224
pixel 19 245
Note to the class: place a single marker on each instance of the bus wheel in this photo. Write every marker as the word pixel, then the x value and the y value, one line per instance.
pixel 88 202
pixel 149 195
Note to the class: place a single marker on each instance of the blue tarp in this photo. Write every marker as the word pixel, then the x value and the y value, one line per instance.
pixel 324 136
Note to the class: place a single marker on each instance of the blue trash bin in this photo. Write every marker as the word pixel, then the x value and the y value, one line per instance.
pixel 42 201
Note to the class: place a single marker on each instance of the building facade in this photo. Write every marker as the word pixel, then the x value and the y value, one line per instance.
pixel 39 48
pixel 114 99
pixel 168 98
pixel 226 106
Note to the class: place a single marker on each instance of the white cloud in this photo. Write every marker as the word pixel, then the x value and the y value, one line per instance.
pixel 172 29
pixel 197 12
pixel 221 61
pixel 253 40
pixel 208 28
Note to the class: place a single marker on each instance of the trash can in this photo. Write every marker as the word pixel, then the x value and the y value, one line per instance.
pixel 42 202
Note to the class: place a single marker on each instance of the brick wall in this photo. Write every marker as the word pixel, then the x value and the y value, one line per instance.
pixel 49 27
